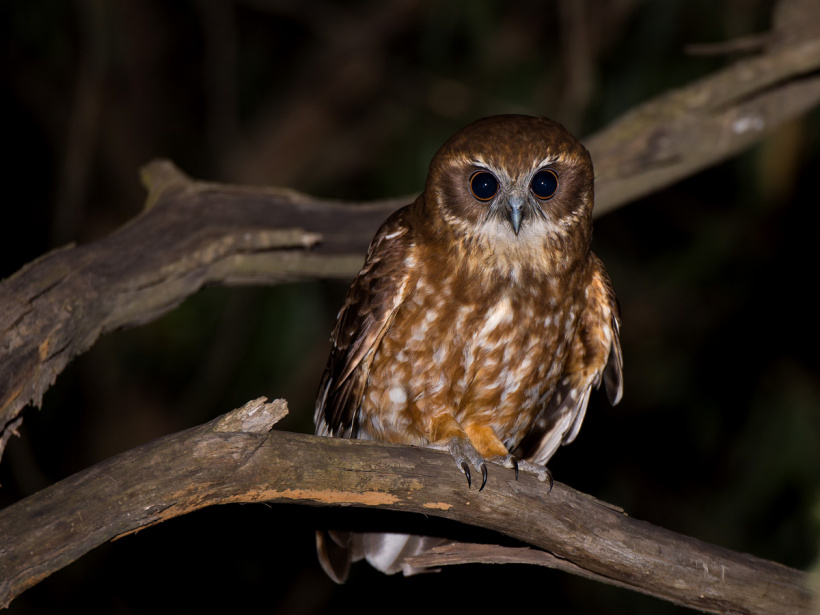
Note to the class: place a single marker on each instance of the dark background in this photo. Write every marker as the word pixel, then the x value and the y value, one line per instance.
pixel 718 434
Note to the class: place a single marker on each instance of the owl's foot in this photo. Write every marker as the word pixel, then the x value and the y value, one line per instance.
pixel 542 473
pixel 465 454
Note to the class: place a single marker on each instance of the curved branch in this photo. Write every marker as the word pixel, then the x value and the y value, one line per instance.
pixel 237 459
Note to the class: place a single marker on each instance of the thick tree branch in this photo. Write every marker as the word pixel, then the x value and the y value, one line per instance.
pixel 190 234
pixel 237 459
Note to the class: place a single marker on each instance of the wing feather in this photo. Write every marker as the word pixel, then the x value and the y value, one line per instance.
pixel 597 340
pixel 369 309
pixel 613 372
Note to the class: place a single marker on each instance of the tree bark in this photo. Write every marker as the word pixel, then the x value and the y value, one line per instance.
pixel 237 458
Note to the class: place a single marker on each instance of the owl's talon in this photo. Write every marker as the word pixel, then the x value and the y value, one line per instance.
pixel 549 478
pixel 466 468
pixel 465 456
pixel 515 465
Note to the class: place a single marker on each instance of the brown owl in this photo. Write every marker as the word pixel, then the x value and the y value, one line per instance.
pixel 480 321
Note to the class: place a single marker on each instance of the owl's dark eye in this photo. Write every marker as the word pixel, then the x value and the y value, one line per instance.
pixel 544 184
pixel 483 185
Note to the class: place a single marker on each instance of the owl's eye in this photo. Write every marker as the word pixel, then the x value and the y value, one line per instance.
pixel 544 184
pixel 483 185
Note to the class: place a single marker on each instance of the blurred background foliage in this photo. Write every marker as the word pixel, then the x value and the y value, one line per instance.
pixel 718 435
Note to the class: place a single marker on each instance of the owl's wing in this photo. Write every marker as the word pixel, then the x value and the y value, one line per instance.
pixel 595 356
pixel 369 309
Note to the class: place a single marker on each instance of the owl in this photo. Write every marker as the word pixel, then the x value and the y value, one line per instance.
pixel 480 321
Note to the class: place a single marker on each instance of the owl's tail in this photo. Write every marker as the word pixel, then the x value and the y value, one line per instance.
pixel 384 551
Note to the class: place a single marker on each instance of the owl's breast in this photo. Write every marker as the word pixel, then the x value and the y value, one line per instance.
pixel 491 358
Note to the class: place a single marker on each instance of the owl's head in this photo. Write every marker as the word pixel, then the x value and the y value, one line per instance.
pixel 514 179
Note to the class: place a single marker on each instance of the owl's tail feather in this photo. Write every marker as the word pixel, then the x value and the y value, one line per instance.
pixel 384 551
pixel 336 553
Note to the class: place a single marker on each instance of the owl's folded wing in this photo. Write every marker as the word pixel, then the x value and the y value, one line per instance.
pixel 369 309
pixel 595 357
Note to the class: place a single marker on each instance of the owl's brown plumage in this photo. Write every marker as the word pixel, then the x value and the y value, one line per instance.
pixel 481 320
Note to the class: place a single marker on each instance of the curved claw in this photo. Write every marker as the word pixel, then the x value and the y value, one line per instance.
pixel 515 465
pixel 549 478
pixel 466 468
pixel 483 475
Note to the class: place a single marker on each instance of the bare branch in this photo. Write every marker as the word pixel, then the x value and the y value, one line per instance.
pixel 473 553
pixel 236 459
pixel 685 131
pixel 190 234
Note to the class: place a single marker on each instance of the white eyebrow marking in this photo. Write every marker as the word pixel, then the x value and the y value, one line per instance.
pixel 478 161
pixel 545 162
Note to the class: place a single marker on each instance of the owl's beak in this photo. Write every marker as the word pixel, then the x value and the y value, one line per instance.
pixel 515 205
